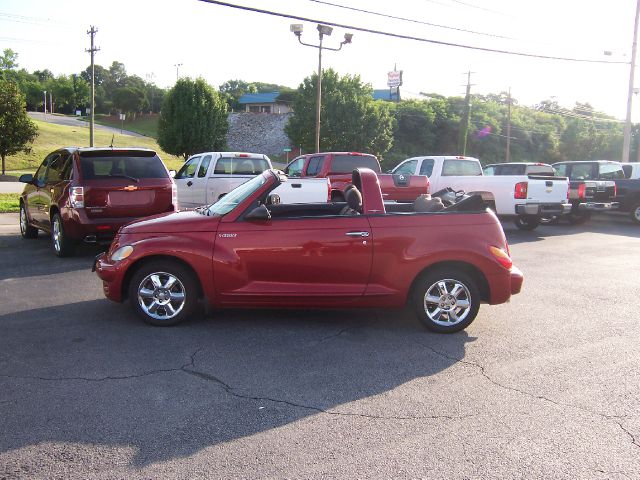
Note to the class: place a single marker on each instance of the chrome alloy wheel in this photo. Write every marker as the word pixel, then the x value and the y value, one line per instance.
pixel 56 234
pixel 447 302
pixel 23 221
pixel 636 214
pixel 161 295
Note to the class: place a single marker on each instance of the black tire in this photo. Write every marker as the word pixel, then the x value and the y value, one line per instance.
pixel 634 213
pixel 63 246
pixel 160 293
pixel 527 222
pixel 555 220
pixel 578 218
pixel 426 310
pixel 26 230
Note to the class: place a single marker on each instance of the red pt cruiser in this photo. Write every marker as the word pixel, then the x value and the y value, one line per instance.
pixel 248 250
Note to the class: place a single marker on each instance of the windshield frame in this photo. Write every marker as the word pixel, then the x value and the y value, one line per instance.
pixel 238 195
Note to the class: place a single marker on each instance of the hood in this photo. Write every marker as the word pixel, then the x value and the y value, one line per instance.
pixel 185 221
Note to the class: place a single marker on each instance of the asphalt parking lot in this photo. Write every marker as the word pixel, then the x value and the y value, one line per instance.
pixel 546 386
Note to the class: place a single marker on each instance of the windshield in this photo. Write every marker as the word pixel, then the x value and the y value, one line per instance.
pixel 236 196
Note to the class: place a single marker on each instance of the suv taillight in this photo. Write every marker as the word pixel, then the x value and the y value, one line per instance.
pixel 615 190
pixel 521 190
pixel 76 197
pixel 582 189
pixel 174 195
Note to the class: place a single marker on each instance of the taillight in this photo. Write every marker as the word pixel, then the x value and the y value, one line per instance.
pixel 174 195
pixel 615 190
pixel 582 190
pixel 76 197
pixel 502 257
pixel 521 190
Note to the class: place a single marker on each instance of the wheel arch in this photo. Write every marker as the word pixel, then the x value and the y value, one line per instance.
pixel 470 269
pixel 143 261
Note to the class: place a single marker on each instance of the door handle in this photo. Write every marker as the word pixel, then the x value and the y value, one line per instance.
pixel 189 183
pixel 357 234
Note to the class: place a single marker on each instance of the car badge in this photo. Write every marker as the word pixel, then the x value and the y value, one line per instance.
pixel 130 188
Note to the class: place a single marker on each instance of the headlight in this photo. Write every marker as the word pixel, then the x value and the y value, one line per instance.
pixel 122 253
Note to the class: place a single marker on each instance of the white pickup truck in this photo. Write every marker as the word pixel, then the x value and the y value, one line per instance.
pixel 206 177
pixel 527 199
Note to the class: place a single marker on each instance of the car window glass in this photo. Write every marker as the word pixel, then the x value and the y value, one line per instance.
pixel 240 166
pixel 489 170
pixel 455 167
pixel 408 167
pixel 40 175
pixel 315 165
pixel 348 163
pixel 561 169
pixel 627 169
pixel 427 167
pixel 95 167
pixel 546 170
pixel 67 170
pixel 511 170
pixel 295 168
pixel 611 171
pixel 581 171
pixel 56 166
pixel 188 170
pixel 204 166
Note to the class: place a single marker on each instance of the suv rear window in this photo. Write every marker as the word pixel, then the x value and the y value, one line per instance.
pixel 455 167
pixel 348 163
pixel 240 166
pixel 103 167
pixel 611 171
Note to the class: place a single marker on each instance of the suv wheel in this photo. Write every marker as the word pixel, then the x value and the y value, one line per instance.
pixel 63 246
pixel 163 293
pixel 635 213
pixel 26 230
pixel 527 222
pixel 446 301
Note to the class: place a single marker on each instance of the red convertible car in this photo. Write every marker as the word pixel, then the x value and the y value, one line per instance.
pixel 248 250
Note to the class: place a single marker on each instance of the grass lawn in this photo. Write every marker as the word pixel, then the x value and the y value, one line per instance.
pixel 143 124
pixel 9 202
pixel 53 136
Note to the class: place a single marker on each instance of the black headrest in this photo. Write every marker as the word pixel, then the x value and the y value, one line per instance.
pixel 353 198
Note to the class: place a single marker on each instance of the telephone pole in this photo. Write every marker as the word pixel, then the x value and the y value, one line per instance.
pixel 467 118
pixel 92 50
pixel 508 125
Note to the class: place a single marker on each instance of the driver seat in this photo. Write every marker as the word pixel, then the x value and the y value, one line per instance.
pixel 354 202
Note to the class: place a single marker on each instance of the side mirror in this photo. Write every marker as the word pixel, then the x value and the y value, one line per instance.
pixel 261 213
pixel 172 173
pixel 26 178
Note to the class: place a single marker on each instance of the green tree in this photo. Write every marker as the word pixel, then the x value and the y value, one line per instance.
pixel 193 119
pixel 8 60
pixel 350 119
pixel 130 100
pixel 17 131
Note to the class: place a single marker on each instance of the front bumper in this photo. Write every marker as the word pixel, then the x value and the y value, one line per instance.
pixel 543 209
pixel 517 279
pixel 597 206
pixel 111 276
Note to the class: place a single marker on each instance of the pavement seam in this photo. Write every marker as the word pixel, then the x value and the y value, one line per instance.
pixel 483 372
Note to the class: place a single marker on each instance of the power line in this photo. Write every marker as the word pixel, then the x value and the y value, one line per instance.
pixel 409 37
pixel 370 12
pixel 476 6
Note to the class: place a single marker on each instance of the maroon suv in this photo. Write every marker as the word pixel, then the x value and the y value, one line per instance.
pixel 86 194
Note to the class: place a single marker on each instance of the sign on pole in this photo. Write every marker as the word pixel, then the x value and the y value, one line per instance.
pixel 394 79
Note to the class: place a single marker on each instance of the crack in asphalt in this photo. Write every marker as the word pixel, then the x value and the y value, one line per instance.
pixel 484 373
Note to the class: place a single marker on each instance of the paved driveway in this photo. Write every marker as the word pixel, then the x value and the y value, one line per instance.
pixel 546 386
pixel 76 122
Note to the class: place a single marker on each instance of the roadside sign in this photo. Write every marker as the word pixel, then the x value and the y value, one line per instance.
pixel 286 149
pixel 394 79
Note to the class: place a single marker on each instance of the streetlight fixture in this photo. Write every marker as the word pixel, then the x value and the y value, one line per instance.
pixel 323 30
pixel 177 65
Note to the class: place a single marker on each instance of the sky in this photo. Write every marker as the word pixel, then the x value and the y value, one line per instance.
pixel 221 43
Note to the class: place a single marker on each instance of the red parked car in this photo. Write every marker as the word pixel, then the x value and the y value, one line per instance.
pixel 337 167
pixel 87 194
pixel 249 250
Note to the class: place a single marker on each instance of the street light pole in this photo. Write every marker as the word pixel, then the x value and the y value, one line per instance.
pixel 627 126
pixel 322 31
pixel 178 65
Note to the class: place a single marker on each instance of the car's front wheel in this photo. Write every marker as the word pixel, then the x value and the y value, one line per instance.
pixel 446 300
pixel 163 293
pixel 26 230
pixel 635 213
pixel 63 246
pixel 527 222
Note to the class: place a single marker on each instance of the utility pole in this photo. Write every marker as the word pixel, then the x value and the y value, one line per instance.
pixel 178 65
pixel 627 126
pixel 467 118
pixel 45 102
pixel 93 50
pixel 508 126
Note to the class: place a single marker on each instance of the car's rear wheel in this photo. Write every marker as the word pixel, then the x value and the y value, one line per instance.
pixel 26 230
pixel 63 246
pixel 635 213
pixel 163 293
pixel 446 300
pixel 527 222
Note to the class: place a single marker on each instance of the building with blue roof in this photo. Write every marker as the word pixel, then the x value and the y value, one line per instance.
pixel 264 103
